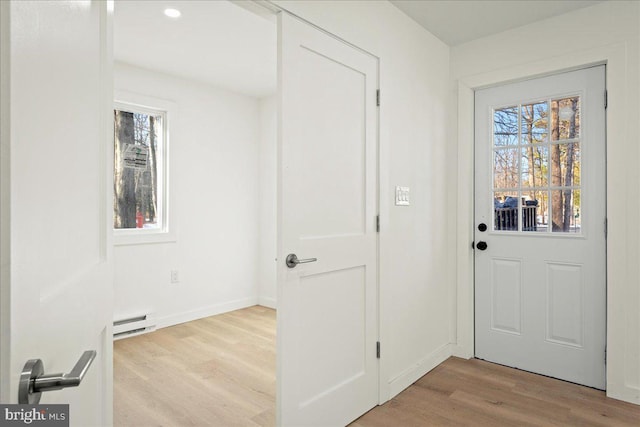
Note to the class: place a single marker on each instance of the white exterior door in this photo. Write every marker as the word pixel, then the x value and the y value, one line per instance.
pixel 58 292
pixel 327 309
pixel 540 198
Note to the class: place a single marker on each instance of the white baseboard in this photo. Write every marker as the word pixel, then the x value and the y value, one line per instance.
pixel 267 302
pixel 212 310
pixel 413 373
pixel 627 393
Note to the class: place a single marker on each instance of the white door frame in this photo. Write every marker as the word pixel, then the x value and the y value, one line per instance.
pixel 5 276
pixel 614 58
pixel 383 386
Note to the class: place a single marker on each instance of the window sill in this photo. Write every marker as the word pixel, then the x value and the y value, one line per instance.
pixel 138 237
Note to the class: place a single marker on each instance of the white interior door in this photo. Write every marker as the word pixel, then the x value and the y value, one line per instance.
pixel 540 191
pixel 327 309
pixel 58 133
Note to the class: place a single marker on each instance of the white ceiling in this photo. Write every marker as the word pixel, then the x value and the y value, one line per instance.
pixel 220 43
pixel 215 42
pixel 456 22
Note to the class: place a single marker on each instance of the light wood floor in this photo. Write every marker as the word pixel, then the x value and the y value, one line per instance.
pixel 473 392
pixel 217 371
pixel 220 371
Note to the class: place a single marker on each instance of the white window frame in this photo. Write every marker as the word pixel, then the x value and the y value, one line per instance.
pixel 127 101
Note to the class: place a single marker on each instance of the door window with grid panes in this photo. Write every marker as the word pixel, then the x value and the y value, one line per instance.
pixel 536 166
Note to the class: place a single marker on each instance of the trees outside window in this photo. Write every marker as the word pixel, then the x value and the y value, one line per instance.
pixel 138 168
pixel 537 160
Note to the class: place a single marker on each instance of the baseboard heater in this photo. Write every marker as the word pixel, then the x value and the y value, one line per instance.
pixel 131 326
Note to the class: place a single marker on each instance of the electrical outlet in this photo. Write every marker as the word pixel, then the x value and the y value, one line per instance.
pixel 174 276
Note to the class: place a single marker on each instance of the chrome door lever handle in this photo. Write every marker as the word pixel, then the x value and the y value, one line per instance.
pixel 292 260
pixel 33 382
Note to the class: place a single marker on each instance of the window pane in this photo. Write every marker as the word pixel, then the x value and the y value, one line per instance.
pixel 565 210
pixel 535 166
pixel 505 168
pixel 565 164
pixel 565 118
pixel 535 211
pixel 534 121
pixel 505 206
pixel 505 127
pixel 137 153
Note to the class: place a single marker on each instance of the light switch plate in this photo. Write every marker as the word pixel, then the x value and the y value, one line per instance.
pixel 402 196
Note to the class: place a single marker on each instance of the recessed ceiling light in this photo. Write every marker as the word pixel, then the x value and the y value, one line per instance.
pixel 172 13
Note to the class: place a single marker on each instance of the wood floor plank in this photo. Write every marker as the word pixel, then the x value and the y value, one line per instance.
pixel 220 372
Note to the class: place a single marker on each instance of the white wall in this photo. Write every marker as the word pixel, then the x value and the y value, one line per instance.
pixel 414 242
pixel 605 33
pixel 214 173
pixel 267 178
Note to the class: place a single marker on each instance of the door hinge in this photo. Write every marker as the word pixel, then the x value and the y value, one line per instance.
pixel 606 99
pixel 378 349
pixel 605 354
pixel 378 97
pixel 606 227
pixel 377 223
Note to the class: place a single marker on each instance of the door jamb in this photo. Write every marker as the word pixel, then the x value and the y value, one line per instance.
pixel 5 199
